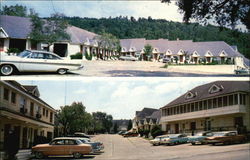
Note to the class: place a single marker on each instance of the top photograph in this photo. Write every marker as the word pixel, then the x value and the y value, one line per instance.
pixel 160 38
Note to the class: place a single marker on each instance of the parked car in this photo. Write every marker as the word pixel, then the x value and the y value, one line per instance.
pixel 158 140
pixel 80 134
pixel 96 146
pixel 62 146
pixel 242 71
pixel 227 137
pixel 172 139
pixel 166 60
pixel 36 61
pixel 130 134
pixel 199 137
pixel 121 132
pixel 128 58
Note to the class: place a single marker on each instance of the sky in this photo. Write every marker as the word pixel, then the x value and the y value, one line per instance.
pixel 120 97
pixel 104 8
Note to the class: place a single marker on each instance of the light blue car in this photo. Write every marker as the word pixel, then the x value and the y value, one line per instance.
pixel 173 139
pixel 199 138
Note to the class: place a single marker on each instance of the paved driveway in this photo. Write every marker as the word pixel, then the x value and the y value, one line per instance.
pixel 125 69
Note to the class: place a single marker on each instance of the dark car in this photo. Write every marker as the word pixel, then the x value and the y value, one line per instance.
pixel 227 137
pixel 199 137
pixel 130 134
pixel 96 146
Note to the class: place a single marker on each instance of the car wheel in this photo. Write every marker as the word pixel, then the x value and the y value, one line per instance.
pixel 39 155
pixel 77 155
pixel 7 69
pixel 193 143
pixel 62 71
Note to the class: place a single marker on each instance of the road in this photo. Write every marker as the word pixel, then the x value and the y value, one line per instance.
pixel 124 69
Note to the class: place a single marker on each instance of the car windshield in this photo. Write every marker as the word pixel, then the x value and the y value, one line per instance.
pixel 24 54
pixel 219 134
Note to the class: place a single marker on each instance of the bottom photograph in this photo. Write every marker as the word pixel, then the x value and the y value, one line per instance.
pixel 118 119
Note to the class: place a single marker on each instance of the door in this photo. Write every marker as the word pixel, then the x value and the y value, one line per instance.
pixel 176 128
pixel 207 126
pixel 25 138
pixel 56 148
pixel 17 130
pixel 6 134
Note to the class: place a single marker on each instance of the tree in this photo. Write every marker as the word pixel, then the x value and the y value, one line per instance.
pixel 148 51
pixel 129 125
pixel 17 10
pixel 156 131
pixel 224 12
pixel 74 118
pixel 48 31
pixel 102 122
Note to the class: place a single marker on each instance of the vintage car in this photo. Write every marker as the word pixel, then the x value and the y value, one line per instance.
pixel 242 71
pixel 173 139
pixel 62 146
pixel 199 138
pixel 130 134
pixel 227 137
pixel 158 140
pixel 36 61
pixel 128 58
pixel 96 146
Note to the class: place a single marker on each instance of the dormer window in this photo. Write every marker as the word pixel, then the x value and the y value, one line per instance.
pixel 214 89
pixel 190 95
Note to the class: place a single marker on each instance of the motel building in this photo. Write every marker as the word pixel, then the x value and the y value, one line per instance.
pixel 23 112
pixel 216 106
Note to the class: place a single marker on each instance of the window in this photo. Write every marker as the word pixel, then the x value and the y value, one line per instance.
pixel 13 97
pixel 205 104
pixel 220 102
pixel 231 100
pixel 6 94
pixel 235 99
pixel 22 102
pixel 192 107
pixel 31 108
pixel 242 99
pixel 70 142
pixel 209 105
pixel 188 107
pixel 196 106
pixel 224 101
pixel 200 105
pixel 215 103
pixel 58 142
pixel 51 117
pixel 43 111
pixel 185 108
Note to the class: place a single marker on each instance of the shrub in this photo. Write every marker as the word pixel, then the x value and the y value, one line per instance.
pixel 78 55
pixel 156 131
pixel 146 132
pixel 13 50
pixel 88 56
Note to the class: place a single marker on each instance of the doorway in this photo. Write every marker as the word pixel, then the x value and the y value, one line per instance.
pixel 60 49
pixel 176 128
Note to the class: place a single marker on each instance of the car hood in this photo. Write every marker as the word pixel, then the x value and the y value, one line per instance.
pixel 41 145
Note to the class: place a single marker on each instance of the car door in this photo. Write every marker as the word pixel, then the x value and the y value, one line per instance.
pixel 34 62
pixel 70 147
pixel 56 147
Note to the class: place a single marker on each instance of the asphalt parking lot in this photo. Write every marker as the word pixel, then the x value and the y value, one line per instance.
pixel 137 148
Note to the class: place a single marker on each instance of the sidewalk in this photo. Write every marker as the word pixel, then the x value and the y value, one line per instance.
pixel 23 154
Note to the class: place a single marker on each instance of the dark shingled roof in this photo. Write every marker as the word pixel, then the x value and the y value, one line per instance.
pixel 20 27
pixel 203 91
pixel 146 112
pixel 15 27
pixel 23 89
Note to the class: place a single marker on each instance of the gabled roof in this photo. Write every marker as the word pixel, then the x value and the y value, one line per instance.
pixel 22 88
pixel 137 43
pixel 78 35
pixel 32 89
pixel 203 91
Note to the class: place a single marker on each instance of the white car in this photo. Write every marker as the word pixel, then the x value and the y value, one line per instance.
pixel 36 61
pixel 128 58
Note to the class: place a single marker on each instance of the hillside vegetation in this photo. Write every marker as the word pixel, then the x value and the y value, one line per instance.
pixel 124 27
